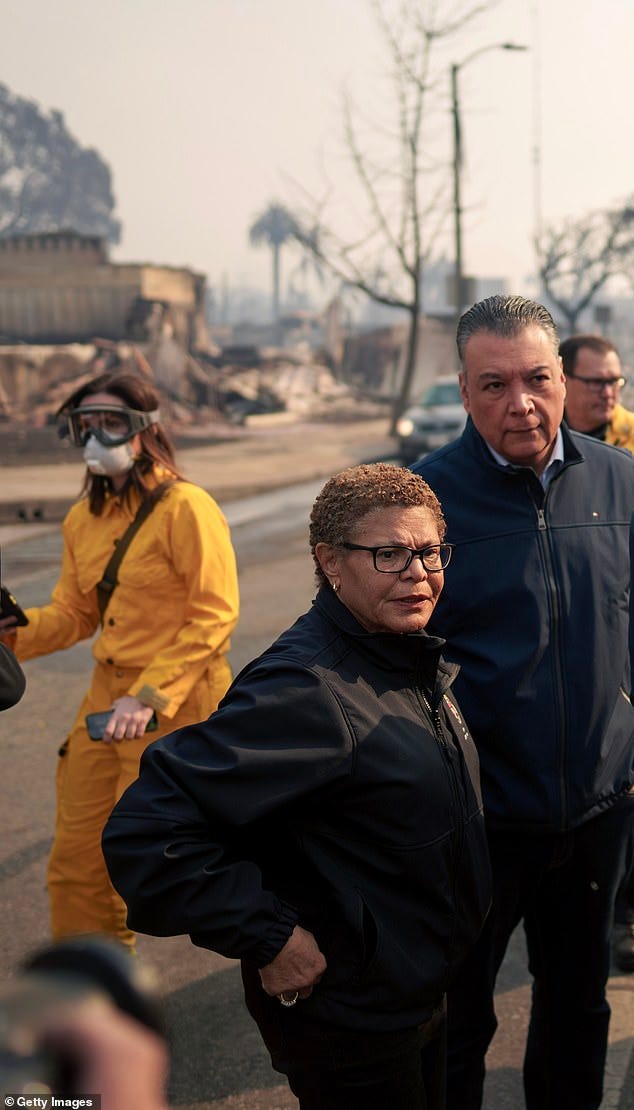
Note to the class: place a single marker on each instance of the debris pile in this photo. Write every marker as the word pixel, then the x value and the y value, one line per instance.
pixel 302 388
pixel 196 391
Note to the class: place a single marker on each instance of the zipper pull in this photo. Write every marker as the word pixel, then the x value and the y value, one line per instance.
pixel 541 520
pixel 436 720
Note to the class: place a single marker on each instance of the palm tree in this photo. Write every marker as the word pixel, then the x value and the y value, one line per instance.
pixel 274 227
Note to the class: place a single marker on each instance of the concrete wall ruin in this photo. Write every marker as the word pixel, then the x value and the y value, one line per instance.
pixel 59 287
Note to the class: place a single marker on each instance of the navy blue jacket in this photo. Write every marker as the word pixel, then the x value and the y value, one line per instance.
pixel 535 609
pixel 336 787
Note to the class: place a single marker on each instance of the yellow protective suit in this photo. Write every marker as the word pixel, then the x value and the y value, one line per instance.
pixel 165 637
pixel 621 428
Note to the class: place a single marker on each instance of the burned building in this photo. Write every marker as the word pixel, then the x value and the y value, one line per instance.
pixel 61 287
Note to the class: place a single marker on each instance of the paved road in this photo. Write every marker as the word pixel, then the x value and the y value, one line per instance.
pixel 219 1063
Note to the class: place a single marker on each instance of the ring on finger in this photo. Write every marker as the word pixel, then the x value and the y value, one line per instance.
pixel 290 1000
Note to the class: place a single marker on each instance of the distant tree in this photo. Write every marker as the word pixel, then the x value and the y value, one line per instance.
pixel 578 257
pixel 48 182
pixel 273 228
pixel 307 267
pixel 403 194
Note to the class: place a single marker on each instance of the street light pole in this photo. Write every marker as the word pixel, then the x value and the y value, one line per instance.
pixel 457 166
pixel 457 199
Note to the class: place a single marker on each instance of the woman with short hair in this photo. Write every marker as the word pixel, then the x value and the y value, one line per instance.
pixel 325 824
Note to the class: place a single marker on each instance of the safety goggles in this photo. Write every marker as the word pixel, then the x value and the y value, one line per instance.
pixel 110 424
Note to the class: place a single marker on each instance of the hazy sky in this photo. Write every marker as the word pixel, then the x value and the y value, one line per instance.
pixel 208 109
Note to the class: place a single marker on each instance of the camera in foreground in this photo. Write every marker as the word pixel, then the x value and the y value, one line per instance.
pixel 63 974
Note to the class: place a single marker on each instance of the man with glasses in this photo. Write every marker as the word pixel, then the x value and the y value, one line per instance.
pixel 594 381
pixel 593 386
pixel 535 611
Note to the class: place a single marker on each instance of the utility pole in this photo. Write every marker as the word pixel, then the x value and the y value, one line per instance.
pixel 457 167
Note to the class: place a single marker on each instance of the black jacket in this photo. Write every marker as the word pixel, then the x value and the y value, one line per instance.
pixel 323 791
pixel 535 609
pixel 12 680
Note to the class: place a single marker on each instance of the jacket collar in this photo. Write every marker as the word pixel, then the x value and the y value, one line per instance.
pixel 418 652
pixel 115 505
pixel 476 446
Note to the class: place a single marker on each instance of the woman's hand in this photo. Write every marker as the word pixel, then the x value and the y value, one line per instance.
pixel 128 720
pixel 298 966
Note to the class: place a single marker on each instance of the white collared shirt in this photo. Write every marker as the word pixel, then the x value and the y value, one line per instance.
pixel 553 465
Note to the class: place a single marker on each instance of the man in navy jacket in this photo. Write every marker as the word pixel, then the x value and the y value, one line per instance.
pixel 536 610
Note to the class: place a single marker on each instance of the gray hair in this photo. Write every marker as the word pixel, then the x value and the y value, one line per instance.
pixel 505 316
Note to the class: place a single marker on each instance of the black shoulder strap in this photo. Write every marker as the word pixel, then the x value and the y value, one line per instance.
pixel 109 580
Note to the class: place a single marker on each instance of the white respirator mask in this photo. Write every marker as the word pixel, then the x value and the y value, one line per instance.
pixel 108 461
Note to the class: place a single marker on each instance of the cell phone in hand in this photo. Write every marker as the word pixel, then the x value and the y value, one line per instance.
pixel 10 608
pixel 96 724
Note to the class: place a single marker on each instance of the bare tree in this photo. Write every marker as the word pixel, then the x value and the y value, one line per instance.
pixel 579 257
pixel 405 192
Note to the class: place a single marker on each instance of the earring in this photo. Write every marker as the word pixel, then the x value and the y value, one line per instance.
pixel 335 587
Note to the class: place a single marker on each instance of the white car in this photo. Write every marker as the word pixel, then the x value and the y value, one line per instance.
pixel 438 418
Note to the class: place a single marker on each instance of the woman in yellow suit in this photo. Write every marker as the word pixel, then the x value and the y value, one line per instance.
pixel 161 651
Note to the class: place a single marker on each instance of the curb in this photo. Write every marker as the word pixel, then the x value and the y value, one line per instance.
pixel 38 511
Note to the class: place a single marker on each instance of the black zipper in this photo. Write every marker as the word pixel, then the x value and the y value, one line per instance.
pixel 551 581
pixel 436 719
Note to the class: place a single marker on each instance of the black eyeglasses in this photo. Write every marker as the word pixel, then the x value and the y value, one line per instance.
pixel 595 385
pixel 393 560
